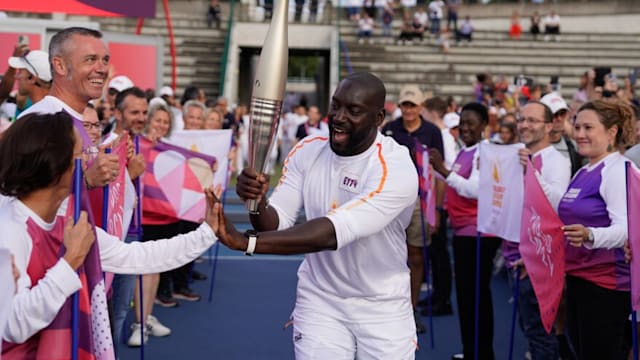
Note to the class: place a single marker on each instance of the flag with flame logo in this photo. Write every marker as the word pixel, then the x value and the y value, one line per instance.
pixel 501 190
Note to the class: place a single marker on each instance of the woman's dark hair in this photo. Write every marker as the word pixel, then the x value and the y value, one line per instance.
pixel 479 109
pixel 35 152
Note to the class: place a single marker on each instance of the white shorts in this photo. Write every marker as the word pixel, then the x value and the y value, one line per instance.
pixel 317 336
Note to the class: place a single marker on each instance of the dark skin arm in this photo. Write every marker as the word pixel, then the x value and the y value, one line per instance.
pixel 312 236
pixel 254 186
pixel 435 157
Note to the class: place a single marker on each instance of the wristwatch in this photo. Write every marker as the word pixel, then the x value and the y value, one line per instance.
pixel 252 235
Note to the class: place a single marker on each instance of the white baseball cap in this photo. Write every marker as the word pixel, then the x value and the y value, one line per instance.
pixel 35 61
pixel 555 102
pixel 120 83
pixel 451 120
pixel 165 91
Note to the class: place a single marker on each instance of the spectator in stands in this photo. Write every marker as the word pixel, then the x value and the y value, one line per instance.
pixel 313 11
pixel 365 28
pixel 552 26
pixel 299 5
pixel 7 81
pixel 421 17
pixel 466 31
pixel 387 19
pixel 516 29
pixel 435 15
pixel 213 14
pixel 534 26
pixel 33 75
pixel 443 41
pixel 452 15
pixel 408 32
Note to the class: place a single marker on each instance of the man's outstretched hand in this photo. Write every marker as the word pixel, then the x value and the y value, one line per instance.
pixel 224 229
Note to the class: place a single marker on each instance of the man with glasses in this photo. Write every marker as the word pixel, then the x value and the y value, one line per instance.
pixel 33 76
pixel 535 124
pixel 558 137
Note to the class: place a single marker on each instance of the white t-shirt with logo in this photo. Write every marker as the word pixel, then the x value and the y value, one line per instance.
pixel 369 199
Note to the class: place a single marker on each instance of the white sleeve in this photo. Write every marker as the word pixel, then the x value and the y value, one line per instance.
pixel 555 179
pixel 613 190
pixel 467 187
pixel 385 195
pixel 35 307
pixel 287 196
pixel 153 256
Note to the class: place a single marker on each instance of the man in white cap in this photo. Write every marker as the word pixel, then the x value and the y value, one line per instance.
pixel 169 96
pixel 558 137
pixel 33 75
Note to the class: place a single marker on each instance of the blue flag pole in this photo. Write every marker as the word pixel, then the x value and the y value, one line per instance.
pixel 427 275
pixel 476 324
pixel 75 315
pixel 514 312
pixel 138 222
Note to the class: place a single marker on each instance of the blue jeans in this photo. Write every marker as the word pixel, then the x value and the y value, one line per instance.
pixel 122 294
pixel 542 346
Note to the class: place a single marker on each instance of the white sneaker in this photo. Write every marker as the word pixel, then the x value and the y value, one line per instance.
pixel 156 328
pixel 134 339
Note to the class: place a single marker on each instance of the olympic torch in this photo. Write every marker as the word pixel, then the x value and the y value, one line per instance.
pixel 268 91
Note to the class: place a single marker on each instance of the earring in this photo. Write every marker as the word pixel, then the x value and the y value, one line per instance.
pixel 609 148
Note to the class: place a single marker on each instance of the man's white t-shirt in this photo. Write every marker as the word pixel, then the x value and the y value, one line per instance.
pixel 369 199
pixel 50 105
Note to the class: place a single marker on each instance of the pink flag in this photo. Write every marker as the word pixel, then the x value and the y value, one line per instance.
pixel 542 248
pixel 426 184
pixel 174 181
pixel 633 213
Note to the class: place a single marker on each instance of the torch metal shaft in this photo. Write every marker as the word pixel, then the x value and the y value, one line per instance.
pixel 268 91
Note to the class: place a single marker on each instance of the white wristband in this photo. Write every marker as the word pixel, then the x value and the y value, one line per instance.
pixel 251 247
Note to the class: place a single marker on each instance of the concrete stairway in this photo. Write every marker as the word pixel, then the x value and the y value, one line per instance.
pixel 198 48
pixel 491 51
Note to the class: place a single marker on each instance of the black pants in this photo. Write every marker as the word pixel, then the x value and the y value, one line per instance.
pixel 596 320
pixel 155 232
pixel 464 254
pixel 440 263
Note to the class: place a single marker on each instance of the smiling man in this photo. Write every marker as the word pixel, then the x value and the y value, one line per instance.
pixel 79 62
pixel 358 189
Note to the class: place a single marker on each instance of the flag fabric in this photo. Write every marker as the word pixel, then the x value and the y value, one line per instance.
pixel 542 248
pixel 54 341
pixel 501 190
pixel 215 143
pixel 139 8
pixel 633 213
pixel 426 184
pixel 174 181
pixel 115 220
pixel 7 286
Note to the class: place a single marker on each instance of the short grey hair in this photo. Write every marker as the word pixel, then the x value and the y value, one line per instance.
pixel 193 103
